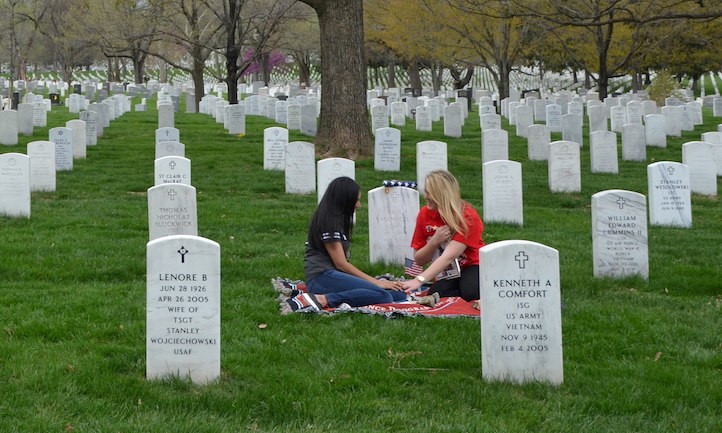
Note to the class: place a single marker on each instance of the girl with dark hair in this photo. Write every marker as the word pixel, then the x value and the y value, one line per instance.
pixel 331 279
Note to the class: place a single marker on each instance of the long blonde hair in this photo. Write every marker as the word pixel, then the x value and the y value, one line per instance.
pixel 443 188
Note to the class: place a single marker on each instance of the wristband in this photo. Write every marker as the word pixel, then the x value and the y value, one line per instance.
pixel 421 279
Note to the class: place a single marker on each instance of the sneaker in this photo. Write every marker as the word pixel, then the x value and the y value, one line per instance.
pixel 304 302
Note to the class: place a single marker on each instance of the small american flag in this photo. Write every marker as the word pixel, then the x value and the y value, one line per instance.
pixel 412 268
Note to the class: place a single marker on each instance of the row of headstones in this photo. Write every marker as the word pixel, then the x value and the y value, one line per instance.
pixel 21 174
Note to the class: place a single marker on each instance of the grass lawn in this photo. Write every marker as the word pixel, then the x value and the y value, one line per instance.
pixel 639 356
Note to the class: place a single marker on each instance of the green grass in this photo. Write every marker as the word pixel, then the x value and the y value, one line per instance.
pixel 639 356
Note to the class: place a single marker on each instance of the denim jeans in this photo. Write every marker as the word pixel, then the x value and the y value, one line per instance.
pixel 340 287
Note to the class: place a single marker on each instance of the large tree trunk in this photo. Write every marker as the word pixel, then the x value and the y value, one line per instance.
pixel 344 129
pixel 414 76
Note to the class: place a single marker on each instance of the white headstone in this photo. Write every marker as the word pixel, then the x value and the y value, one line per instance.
pixel 633 142
pixel 670 202
pixel 554 117
pixel 379 117
pixel 172 210
pixel 494 145
pixel 169 148
pixel 40 115
pixel 167 133
pixel 236 119
pixel 91 127
pixel 392 215
pixel 538 139
pixel 172 169
pixel 603 152
pixel 655 130
pixel 25 118
pixel 619 234
pixel 79 134
pixel 423 118
pixel 166 115
pixel 453 120
pixel 8 127
pixel 42 165
pixel 308 119
pixel 329 169
pixel 490 121
pixel 15 185
pixel 398 113
pixel 524 119
pixel 618 118
pixel 387 150
pixel 564 167
pixel 183 304
pixel 300 171
pixel 572 129
pixel 521 325
pixel 700 157
pixel 502 192
pixel 63 139
pixel 294 117
pixel 275 140
pixel 430 155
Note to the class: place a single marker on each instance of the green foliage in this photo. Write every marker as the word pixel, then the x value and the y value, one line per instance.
pixel 638 355
pixel 664 85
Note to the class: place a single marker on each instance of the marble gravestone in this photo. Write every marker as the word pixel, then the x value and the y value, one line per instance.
pixel 392 216
pixel 293 120
pixel 619 234
pixel 169 148
pixel 329 169
pixel 8 127
pixel 172 210
pixel 502 192
pixel 91 127
pixel 25 118
pixel 80 148
pixel 42 166
pixel 603 152
pixel 453 120
pixel 521 326
pixel 554 117
pixel 699 156
pixel 379 118
pixel 670 202
pixel 655 130
pixel 167 133
pixel 172 169
pixel 236 119
pixel 430 155
pixel 63 139
pixel 524 119
pixel 490 121
pixel 387 149
pixel 494 145
pixel 308 119
pixel 572 129
pixel 275 140
pixel 538 139
pixel 166 115
pixel 15 185
pixel 183 309
pixel 564 167
pixel 423 118
pixel 398 113
pixel 300 168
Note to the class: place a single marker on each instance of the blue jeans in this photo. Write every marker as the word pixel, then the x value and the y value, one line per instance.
pixel 340 287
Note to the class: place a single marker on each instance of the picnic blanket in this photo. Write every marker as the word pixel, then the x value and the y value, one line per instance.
pixel 446 307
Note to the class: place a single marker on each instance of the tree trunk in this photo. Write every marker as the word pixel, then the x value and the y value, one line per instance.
pixel 344 129
pixel 138 69
pixel 392 74
pixel 414 76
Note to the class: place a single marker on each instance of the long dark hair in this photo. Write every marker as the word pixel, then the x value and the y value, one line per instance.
pixel 335 211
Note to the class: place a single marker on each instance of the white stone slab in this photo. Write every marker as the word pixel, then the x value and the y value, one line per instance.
pixel 521 326
pixel 564 167
pixel 701 159
pixel 619 234
pixel 379 117
pixel 42 165
pixel 236 119
pixel 329 169
pixel 554 117
pixel 275 140
pixel 172 169
pixel 63 139
pixel 572 129
pixel 166 115
pixel 80 148
pixel 300 170
pixel 670 202
pixel 183 309
pixel 453 120
pixel 167 133
pixel 538 139
pixel 8 127
pixel 502 192
pixel 172 210
pixel 423 118
pixel 430 155
pixel 91 127
pixel 603 152
pixel 387 149
pixel 309 114
pixel 494 145
pixel 169 148
pixel 14 185
pixel 392 216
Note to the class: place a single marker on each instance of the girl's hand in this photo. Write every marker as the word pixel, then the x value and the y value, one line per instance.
pixel 410 285
pixel 389 285
pixel 441 235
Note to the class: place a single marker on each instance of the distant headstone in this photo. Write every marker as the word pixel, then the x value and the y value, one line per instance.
pixel 670 202
pixel 167 133
pixel 538 139
pixel 699 156
pixel 172 169
pixel 387 150
pixel 294 117
pixel 619 234
pixel 42 165
pixel 40 115
pixel 169 148
pixel 524 119
pixel 300 171
pixel 398 113
pixel 309 119
pixel 80 148
pixel 183 305
pixel 91 127
pixel 633 142
pixel 502 192
pixel 603 152
pixel 172 210
pixel 166 115
pixel 379 118
pixel 490 121
pixel 275 140
pixel 15 185
pixel 521 325
pixel 655 130
pixel 236 119
pixel 453 120
pixel 25 118
pixel 8 127
pixel 392 215
pixel 430 155
pixel 554 117
pixel 618 118
pixel 423 118
pixel 572 129
pixel 564 167
pixel 63 139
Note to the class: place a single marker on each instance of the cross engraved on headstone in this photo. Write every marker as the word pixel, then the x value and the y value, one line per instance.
pixel 167 132
pixel 522 259
pixel 621 202
pixel 172 165
pixel 670 170
pixel 172 194
pixel 183 251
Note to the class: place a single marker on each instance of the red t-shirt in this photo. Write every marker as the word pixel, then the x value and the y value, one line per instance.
pixel 428 220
